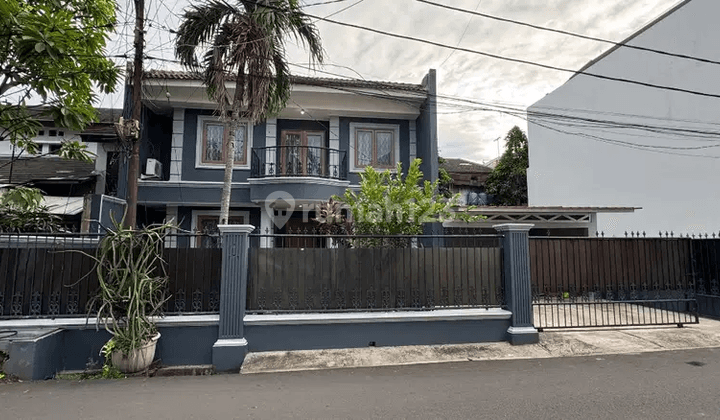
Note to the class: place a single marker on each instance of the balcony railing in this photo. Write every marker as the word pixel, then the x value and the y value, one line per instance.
pixel 308 161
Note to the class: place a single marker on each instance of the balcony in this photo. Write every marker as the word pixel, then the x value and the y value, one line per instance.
pixel 298 161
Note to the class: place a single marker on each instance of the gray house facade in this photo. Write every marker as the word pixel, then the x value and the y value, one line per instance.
pixel 330 130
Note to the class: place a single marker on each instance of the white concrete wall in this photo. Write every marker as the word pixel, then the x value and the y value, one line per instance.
pixel 44 141
pixel 578 167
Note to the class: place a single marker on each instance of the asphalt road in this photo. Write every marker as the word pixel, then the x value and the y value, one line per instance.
pixel 669 385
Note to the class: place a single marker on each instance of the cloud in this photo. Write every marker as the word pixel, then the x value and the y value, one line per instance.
pixel 467 134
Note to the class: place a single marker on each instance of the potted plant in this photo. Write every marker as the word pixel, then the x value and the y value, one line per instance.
pixel 132 280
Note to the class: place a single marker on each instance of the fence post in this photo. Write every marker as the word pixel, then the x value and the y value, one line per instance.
pixel 231 346
pixel 518 288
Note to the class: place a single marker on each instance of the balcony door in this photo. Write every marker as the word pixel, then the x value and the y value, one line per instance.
pixel 302 153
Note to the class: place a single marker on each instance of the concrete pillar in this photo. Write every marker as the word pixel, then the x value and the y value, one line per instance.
pixel 231 347
pixel 518 288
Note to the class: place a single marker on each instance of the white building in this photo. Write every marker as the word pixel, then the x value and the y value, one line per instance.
pixel 595 142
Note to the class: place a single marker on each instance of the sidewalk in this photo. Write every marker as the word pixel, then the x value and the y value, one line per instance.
pixel 553 344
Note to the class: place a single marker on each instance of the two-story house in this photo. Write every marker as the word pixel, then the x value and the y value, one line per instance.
pixel 330 130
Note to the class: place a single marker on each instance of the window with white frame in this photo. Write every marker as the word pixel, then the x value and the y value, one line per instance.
pixel 212 138
pixel 376 145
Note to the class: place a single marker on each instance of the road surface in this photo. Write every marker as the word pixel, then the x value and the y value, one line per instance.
pixel 667 385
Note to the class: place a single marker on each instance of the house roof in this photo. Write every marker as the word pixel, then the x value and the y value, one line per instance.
pixel 64 205
pixel 53 169
pixel 457 165
pixel 466 173
pixel 303 80
pixel 492 164
pixel 633 36
pixel 104 127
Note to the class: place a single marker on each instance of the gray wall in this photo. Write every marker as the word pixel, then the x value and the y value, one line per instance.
pixel 335 336
pixel 190 194
pixel 79 348
pixel 427 143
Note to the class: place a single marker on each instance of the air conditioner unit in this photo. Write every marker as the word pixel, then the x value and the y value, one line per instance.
pixel 153 168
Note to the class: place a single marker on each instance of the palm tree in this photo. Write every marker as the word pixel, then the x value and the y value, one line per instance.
pixel 244 42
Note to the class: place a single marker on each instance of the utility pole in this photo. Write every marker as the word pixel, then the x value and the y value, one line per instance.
pixel 134 165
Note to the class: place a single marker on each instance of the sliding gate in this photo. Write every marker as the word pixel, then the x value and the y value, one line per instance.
pixel 613 282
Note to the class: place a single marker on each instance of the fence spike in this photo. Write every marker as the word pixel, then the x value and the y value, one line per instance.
pixel 644 235
pixel 713 235
pixel 626 234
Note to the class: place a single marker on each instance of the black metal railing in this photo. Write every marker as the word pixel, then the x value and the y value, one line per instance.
pixel 281 161
pixel 316 273
pixel 612 282
pixel 706 274
pixel 52 275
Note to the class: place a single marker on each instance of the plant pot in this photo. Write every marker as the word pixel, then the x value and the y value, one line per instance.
pixel 138 359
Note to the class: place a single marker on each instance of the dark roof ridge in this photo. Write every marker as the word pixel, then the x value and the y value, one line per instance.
pixel 304 80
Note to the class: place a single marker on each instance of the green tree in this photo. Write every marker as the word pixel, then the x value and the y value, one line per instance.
pixel 244 42
pixel 393 204
pixel 21 210
pixel 445 180
pixel 52 52
pixel 508 181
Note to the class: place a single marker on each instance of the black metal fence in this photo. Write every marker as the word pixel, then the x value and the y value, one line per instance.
pixel 706 275
pixel 342 273
pixel 52 275
pixel 310 161
pixel 610 282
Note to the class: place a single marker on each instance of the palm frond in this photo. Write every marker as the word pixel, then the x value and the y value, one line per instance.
pixel 200 25
pixel 246 42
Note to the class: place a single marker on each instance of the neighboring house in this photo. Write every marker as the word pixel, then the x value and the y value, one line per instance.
pixel 596 142
pixel 492 163
pixel 468 180
pixel 547 221
pixel 68 185
pixel 330 130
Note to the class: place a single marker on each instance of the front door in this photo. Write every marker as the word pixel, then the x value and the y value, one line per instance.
pixel 302 153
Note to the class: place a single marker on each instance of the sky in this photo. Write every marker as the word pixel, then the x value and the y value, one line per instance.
pixel 466 133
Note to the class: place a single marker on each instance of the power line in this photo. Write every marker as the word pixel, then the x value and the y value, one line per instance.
pixel 469 104
pixel 514 60
pixel 323 3
pixel 467 26
pixel 573 34
pixel 510 59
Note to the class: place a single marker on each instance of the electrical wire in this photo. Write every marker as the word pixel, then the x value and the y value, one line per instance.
pixel 568 33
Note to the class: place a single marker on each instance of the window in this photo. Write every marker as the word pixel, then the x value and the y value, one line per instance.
pixel 211 143
pixel 207 222
pixel 53 133
pixel 376 145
